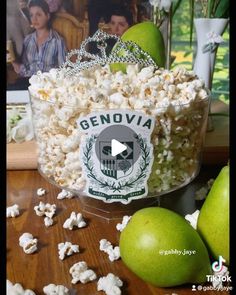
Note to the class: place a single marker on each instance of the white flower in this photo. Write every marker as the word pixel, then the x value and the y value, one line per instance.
pixel 165 4
pixel 161 4
pixel 213 38
pixel 23 131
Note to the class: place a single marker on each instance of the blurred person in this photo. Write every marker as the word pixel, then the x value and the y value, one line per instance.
pixel 44 48
pixel 120 20
pixel 18 24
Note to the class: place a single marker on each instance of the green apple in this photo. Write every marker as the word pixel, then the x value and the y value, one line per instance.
pixel 148 240
pixel 149 38
pixel 213 220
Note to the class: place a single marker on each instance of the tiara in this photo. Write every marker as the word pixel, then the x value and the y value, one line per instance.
pixel 123 52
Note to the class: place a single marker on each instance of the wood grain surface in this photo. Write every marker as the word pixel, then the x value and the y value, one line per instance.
pixel 44 267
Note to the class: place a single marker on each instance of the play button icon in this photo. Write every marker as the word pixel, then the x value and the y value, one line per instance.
pixel 117 143
pixel 117 147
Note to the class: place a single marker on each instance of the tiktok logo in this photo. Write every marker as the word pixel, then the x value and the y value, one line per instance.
pixel 217 266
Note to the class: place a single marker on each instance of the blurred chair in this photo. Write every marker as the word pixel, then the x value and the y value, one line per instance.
pixel 72 30
pixel 80 9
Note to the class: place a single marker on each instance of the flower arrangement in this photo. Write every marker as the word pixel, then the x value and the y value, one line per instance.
pixel 208 9
pixel 19 126
pixel 161 8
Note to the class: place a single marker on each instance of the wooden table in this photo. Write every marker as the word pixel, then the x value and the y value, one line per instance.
pixel 44 267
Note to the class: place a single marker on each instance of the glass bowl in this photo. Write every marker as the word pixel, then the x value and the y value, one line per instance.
pixel 175 141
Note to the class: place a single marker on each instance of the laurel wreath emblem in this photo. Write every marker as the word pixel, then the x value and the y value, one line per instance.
pixel 112 185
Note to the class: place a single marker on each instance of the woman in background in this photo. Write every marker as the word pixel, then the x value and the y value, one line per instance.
pixel 44 48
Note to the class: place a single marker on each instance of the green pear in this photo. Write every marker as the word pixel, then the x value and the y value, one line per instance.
pixel 149 38
pixel 213 220
pixel 152 233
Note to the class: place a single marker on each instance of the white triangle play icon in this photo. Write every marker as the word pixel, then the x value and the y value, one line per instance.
pixel 117 147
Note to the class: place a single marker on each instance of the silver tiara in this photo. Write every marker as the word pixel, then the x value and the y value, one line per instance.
pixel 130 51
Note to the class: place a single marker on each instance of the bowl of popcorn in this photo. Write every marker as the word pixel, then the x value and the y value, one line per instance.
pixel 158 115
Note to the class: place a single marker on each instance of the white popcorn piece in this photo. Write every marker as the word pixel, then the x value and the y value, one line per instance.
pixel 122 225
pixel 106 246
pixel 74 220
pixel 217 282
pixel 28 243
pixel 48 221
pixel 110 284
pixel 80 272
pixel 192 218
pixel 53 289
pixel 17 289
pixel 67 249
pixel 45 209
pixel 13 211
pixel 64 194
pixel 41 192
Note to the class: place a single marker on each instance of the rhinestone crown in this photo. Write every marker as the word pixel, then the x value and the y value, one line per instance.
pixel 124 52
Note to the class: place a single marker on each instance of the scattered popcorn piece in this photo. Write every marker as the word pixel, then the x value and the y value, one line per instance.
pixel 201 194
pixel 28 243
pixel 80 272
pixel 192 218
pixel 45 209
pixel 41 192
pixel 217 282
pixel 64 194
pixel 113 253
pixel 17 289
pixel 13 211
pixel 67 249
pixel 52 289
pixel 125 220
pixel 110 284
pixel 48 221
pixel 74 220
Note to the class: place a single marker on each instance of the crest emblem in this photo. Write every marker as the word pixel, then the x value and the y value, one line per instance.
pixel 118 166
pixel 110 176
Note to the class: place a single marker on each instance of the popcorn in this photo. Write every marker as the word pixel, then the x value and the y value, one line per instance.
pixel 217 281
pixel 64 194
pixel 80 272
pixel 17 289
pixel 106 246
pixel 67 249
pixel 13 211
pixel 192 218
pixel 45 209
pixel 177 99
pixel 125 220
pixel 110 284
pixel 41 192
pixel 74 220
pixel 48 221
pixel 28 243
pixel 52 289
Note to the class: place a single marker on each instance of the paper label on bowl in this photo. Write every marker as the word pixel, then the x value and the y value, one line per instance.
pixel 116 154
